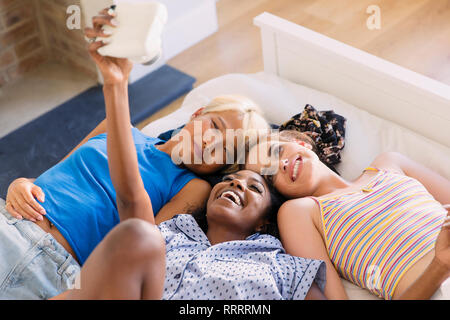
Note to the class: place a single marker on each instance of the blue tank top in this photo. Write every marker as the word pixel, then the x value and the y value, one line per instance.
pixel 80 199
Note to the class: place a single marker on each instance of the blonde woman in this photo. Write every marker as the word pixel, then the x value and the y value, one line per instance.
pixel 41 254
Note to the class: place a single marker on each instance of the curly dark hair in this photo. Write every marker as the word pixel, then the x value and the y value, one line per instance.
pixel 292 135
pixel 271 228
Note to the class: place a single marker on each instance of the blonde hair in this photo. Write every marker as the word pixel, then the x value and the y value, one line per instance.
pixel 252 123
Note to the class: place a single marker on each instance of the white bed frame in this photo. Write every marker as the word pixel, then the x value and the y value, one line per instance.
pixel 382 88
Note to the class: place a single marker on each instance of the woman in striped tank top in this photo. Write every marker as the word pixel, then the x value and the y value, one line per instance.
pixel 388 231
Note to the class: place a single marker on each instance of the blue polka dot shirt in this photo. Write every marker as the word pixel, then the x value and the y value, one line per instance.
pixel 255 268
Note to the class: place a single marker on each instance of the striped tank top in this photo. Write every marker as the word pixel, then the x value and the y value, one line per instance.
pixel 374 235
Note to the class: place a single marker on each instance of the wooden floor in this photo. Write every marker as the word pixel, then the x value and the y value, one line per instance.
pixel 414 34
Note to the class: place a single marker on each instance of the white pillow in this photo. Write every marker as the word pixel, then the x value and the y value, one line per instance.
pixel 366 135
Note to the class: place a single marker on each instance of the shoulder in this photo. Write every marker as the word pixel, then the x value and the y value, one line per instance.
pixel 200 183
pixel 300 205
pixel 390 161
pixel 191 197
pixel 304 209
pixel 195 193
pixel 197 185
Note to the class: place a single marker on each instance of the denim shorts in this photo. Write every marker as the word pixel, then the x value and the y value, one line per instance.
pixel 33 265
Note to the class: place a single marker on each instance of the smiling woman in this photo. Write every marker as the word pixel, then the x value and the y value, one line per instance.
pixel 232 259
pixel 234 203
pixel 212 140
pixel 284 173
pixel 387 231
pixel 238 206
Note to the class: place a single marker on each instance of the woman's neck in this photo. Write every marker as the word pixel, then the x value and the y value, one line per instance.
pixel 218 234
pixel 166 147
pixel 330 182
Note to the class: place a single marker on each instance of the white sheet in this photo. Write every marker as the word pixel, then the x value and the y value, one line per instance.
pixel 366 135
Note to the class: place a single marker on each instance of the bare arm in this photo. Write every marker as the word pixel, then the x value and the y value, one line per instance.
pixel 427 284
pixel 301 238
pixel 99 129
pixel 131 196
pixel 192 197
pixel 438 186
pixel 22 192
pixel 438 270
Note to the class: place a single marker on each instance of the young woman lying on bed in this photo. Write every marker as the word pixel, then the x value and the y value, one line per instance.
pixel 223 253
pixel 386 231
pixel 80 201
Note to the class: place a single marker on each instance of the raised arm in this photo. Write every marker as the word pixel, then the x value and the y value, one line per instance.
pixel 131 196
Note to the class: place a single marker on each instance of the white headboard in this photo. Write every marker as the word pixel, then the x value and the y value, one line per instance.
pixel 359 78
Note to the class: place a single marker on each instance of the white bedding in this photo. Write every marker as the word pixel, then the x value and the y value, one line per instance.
pixel 366 135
